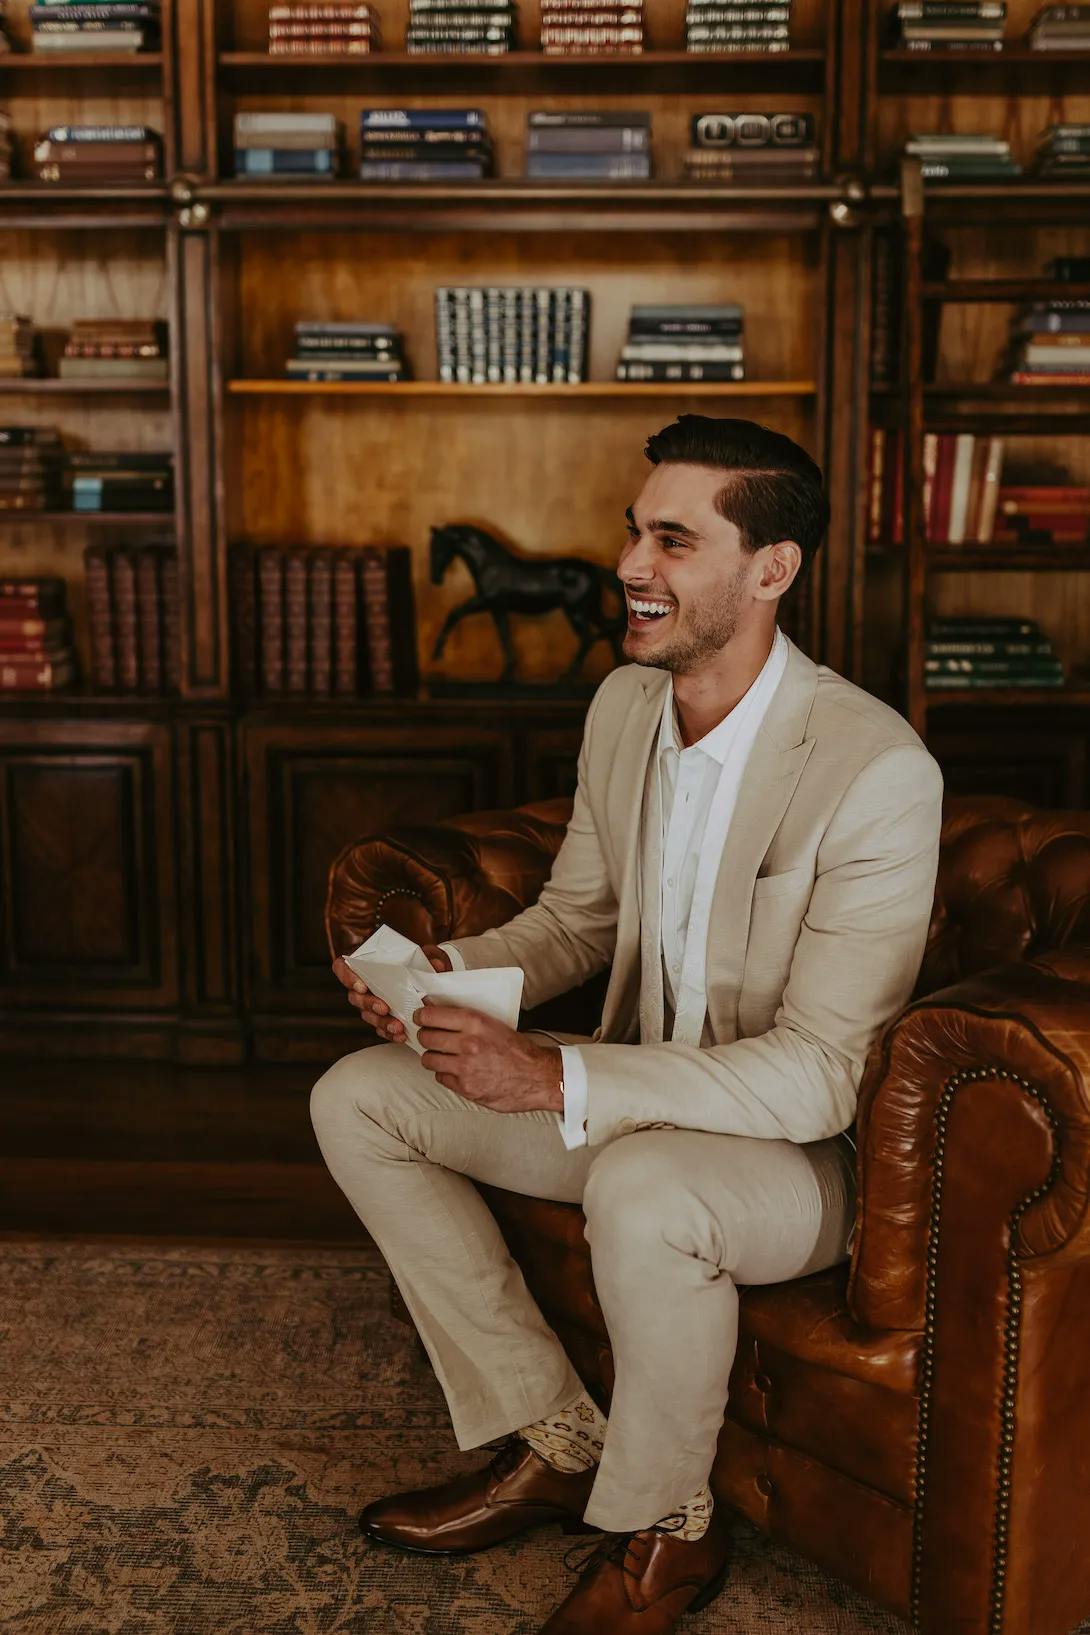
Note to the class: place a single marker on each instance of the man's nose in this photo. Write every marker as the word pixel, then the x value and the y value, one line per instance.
pixel 637 563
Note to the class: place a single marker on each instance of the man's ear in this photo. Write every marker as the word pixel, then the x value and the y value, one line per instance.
pixel 779 569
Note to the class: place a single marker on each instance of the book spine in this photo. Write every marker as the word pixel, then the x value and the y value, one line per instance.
pixel 320 589
pixel 271 591
pixel 876 482
pixel 148 608
pixel 346 650
pixel 100 611
pixel 243 597
pixel 580 336
pixel 376 620
pixel 171 621
pixel 35 675
pixel 402 619
pixel 295 621
pixel 123 580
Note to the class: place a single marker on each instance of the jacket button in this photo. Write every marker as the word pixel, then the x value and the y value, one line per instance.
pixel 764 1484
pixel 763 1382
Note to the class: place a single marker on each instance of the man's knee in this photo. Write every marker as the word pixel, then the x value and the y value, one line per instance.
pixel 639 1199
pixel 355 1089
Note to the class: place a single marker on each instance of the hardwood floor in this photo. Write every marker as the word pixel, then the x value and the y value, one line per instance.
pixel 152 1149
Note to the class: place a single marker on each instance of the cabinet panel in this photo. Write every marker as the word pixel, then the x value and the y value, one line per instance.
pixel 1043 763
pixel 312 790
pixel 86 865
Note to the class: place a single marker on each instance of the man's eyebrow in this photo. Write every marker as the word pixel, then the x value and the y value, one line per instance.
pixel 664 526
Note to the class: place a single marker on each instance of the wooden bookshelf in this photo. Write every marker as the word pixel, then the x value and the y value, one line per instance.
pixel 201 827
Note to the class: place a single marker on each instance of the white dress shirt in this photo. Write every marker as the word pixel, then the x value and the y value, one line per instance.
pixel 698 790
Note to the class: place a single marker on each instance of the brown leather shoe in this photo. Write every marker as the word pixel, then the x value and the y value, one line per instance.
pixel 642 1583
pixel 517 1491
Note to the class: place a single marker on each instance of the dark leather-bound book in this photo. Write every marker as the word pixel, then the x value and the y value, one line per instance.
pixel 399 579
pixel 34 675
pixel 243 597
pixel 149 619
pixel 270 578
pixel 100 609
pixel 389 625
pixel 376 620
pixel 320 611
pixel 123 582
pixel 172 621
pixel 295 621
pixel 43 597
pixel 346 629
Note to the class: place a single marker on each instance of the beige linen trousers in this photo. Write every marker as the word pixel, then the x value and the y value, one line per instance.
pixel 707 1166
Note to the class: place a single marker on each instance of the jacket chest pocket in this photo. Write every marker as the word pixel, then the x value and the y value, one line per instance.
pixel 779 904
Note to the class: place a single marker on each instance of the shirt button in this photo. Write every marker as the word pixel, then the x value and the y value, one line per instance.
pixel 671 882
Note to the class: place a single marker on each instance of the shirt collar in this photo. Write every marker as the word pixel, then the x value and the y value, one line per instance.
pixel 717 742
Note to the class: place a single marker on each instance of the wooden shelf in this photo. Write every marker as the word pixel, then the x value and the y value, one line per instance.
pixel 131 519
pixel 995 559
pixel 1005 289
pixel 584 389
pixel 1011 56
pixel 51 387
pixel 43 62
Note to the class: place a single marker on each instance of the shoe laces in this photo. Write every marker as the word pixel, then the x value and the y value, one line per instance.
pixel 509 1450
pixel 615 1546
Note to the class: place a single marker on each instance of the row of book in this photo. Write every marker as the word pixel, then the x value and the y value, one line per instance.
pixel 323 28
pixel 681 343
pixel 36 652
pixel 592 28
pixel 724 26
pixel 37 473
pixel 980 25
pixel 324 622
pixel 92 154
pixel 133 611
pixel 532 334
pixel 954 156
pixel 92 26
pixel 1050 343
pixel 131 349
pixel 476 28
pixel 969 652
pixel 347 350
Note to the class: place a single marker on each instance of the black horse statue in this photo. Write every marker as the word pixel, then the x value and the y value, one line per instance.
pixel 509 584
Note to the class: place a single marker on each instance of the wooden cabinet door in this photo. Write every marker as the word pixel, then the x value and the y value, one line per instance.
pixel 313 787
pixel 87 878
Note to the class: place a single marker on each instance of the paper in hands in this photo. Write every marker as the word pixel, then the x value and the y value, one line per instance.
pixel 398 972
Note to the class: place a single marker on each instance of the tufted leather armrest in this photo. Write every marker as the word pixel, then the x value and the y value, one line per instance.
pixel 975 1107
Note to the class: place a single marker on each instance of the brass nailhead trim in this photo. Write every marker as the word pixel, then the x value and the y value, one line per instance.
pixel 392 891
pixel 1011 1339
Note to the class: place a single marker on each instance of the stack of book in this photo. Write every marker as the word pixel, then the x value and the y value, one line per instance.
pixel 530 334
pixel 969 652
pixel 7 146
pixel 96 25
pixel 347 351
pixel 946 157
pixel 322 622
pixel 458 27
pixel 754 148
pixel 683 343
pixel 31 463
pixel 1054 516
pixel 36 653
pixel 98 153
pixel 591 28
pixel 1050 344
pixel 424 145
pixel 323 28
pixel 18 347
pixel 1064 150
pixel 1060 28
pixel 282 143
pixel 713 26
pixel 960 487
pixel 132 602
pixel 115 349
pixel 588 144
pixel 120 482
pixel 949 25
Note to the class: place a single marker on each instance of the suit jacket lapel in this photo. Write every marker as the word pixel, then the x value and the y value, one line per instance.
pixel 780 751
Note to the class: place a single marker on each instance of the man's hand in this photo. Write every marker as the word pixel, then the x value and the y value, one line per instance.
pixel 488 1062
pixel 372 1009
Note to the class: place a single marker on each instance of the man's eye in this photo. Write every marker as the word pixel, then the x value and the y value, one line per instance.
pixel 674 544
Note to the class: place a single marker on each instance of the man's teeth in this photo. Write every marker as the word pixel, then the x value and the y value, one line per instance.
pixel 650 607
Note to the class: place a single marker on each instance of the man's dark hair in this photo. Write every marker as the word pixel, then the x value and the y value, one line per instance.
pixel 774 490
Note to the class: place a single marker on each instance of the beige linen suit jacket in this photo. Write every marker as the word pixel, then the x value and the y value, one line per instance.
pixel 819 917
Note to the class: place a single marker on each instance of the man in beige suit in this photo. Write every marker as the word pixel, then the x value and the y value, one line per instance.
pixel 752 854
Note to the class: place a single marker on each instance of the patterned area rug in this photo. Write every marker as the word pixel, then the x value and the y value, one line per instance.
pixel 188 1433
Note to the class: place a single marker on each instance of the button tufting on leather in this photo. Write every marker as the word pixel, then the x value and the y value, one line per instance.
pixel 763 1382
pixel 764 1484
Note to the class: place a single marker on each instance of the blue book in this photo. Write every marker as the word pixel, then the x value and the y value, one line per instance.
pixel 406 170
pixel 583 166
pixel 421 119
pixel 283 161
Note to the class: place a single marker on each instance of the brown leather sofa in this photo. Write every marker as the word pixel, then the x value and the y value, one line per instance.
pixel 919 1422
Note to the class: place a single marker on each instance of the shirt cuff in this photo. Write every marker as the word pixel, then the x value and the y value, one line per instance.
pixel 457 963
pixel 573 1122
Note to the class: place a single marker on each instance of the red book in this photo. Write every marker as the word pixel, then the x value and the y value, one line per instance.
pixel 376 620
pixel 270 577
pixel 44 596
pixel 100 609
pixel 295 621
pixel 346 650
pixel 123 580
pixel 943 490
pixel 35 675
pixel 320 610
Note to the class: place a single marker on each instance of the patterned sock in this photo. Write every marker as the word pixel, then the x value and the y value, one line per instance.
pixel 691 1520
pixel 570 1440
